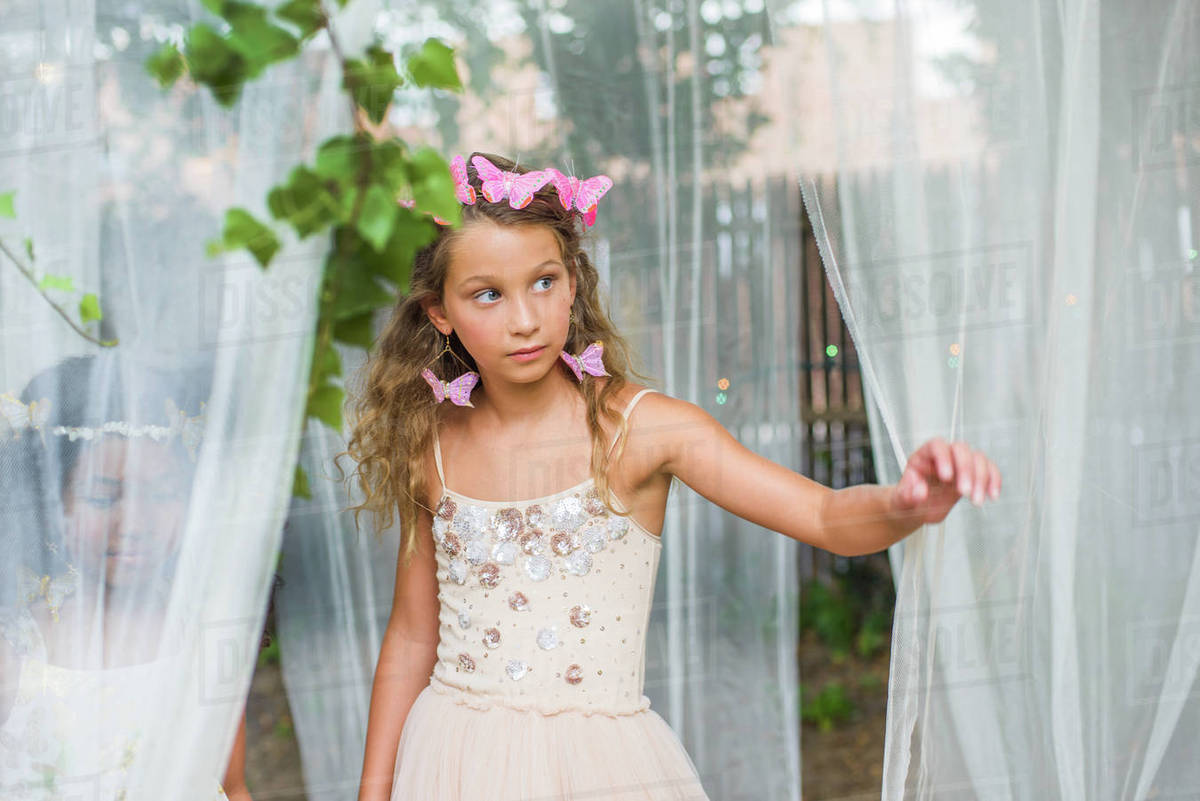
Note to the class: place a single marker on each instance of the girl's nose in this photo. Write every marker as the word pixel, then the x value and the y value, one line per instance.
pixel 523 318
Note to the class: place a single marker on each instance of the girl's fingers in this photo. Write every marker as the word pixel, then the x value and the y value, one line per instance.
pixel 973 475
pixel 944 459
pixel 933 459
pixel 979 480
pixel 964 465
pixel 910 487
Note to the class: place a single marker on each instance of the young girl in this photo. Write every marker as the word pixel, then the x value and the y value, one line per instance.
pixel 531 506
pixel 79 647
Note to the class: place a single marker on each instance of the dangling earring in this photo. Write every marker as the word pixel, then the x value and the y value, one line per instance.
pixel 590 361
pixel 458 390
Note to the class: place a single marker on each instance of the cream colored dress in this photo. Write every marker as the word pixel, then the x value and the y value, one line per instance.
pixel 538 688
pixel 73 733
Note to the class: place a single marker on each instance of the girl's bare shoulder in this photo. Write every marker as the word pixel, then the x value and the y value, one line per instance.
pixel 659 425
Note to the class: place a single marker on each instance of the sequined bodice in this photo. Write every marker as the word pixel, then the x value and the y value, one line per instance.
pixel 544 602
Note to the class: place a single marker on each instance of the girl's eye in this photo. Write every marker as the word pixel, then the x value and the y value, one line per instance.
pixel 100 501
pixel 481 295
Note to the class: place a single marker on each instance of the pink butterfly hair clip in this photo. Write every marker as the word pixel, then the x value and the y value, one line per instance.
pixel 582 194
pixel 498 184
pixel 462 188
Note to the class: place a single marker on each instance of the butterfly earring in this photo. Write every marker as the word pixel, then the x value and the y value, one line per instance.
pixel 458 390
pixel 590 361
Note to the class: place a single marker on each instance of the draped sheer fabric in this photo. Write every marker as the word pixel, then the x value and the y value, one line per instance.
pixel 698 266
pixel 143 486
pixel 1010 230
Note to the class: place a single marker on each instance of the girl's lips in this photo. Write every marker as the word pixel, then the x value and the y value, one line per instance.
pixel 527 355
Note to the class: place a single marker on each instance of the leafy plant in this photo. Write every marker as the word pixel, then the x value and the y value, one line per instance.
pixel 873 635
pixel 870 682
pixel 827 613
pixel 88 304
pixel 270 654
pixel 828 707
pixel 284 729
pixel 853 613
pixel 355 186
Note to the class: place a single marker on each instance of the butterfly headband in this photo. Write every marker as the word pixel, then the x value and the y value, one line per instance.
pixel 519 188
pixel 19 416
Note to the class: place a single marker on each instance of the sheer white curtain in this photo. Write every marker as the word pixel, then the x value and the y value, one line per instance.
pixel 142 487
pixel 1009 230
pixel 696 244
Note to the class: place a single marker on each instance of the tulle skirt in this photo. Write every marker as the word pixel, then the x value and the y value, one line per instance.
pixel 450 750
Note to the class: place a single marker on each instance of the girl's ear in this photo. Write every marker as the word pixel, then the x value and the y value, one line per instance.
pixel 436 314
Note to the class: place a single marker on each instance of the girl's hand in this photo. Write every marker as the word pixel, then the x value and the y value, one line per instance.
pixel 938 474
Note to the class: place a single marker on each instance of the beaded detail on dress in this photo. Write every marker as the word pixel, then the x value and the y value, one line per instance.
pixel 544 602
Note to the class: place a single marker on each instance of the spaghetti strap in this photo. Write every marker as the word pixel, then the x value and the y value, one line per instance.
pixel 437 457
pixel 625 414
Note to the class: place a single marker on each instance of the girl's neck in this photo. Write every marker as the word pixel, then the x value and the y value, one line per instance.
pixel 520 409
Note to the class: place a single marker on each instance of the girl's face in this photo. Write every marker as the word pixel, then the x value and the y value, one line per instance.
pixel 124 502
pixel 507 290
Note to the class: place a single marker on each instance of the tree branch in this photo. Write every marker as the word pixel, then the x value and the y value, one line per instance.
pixel 29 275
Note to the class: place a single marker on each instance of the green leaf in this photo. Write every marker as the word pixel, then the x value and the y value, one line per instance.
pixel 306 15
pixel 377 216
pixel 433 66
pixel 300 487
pixel 63 282
pixel 358 293
pixel 89 308
pixel 340 158
pixel 215 63
pixel 372 81
pixel 29 248
pixel 7 209
pixel 411 232
pixel 351 289
pixel 325 404
pixel 326 363
pixel 242 230
pixel 389 165
pixel 165 64
pixel 357 330
pixel 304 201
pixel 433 187
pixel 259 41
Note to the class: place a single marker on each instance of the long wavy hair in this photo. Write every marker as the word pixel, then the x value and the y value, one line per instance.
pixel 392 411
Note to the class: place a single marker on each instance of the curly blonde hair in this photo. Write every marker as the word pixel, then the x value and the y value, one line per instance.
pixel 393 414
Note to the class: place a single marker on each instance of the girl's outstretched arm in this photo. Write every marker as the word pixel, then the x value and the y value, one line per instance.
pixel 853 521
pixel 406 659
